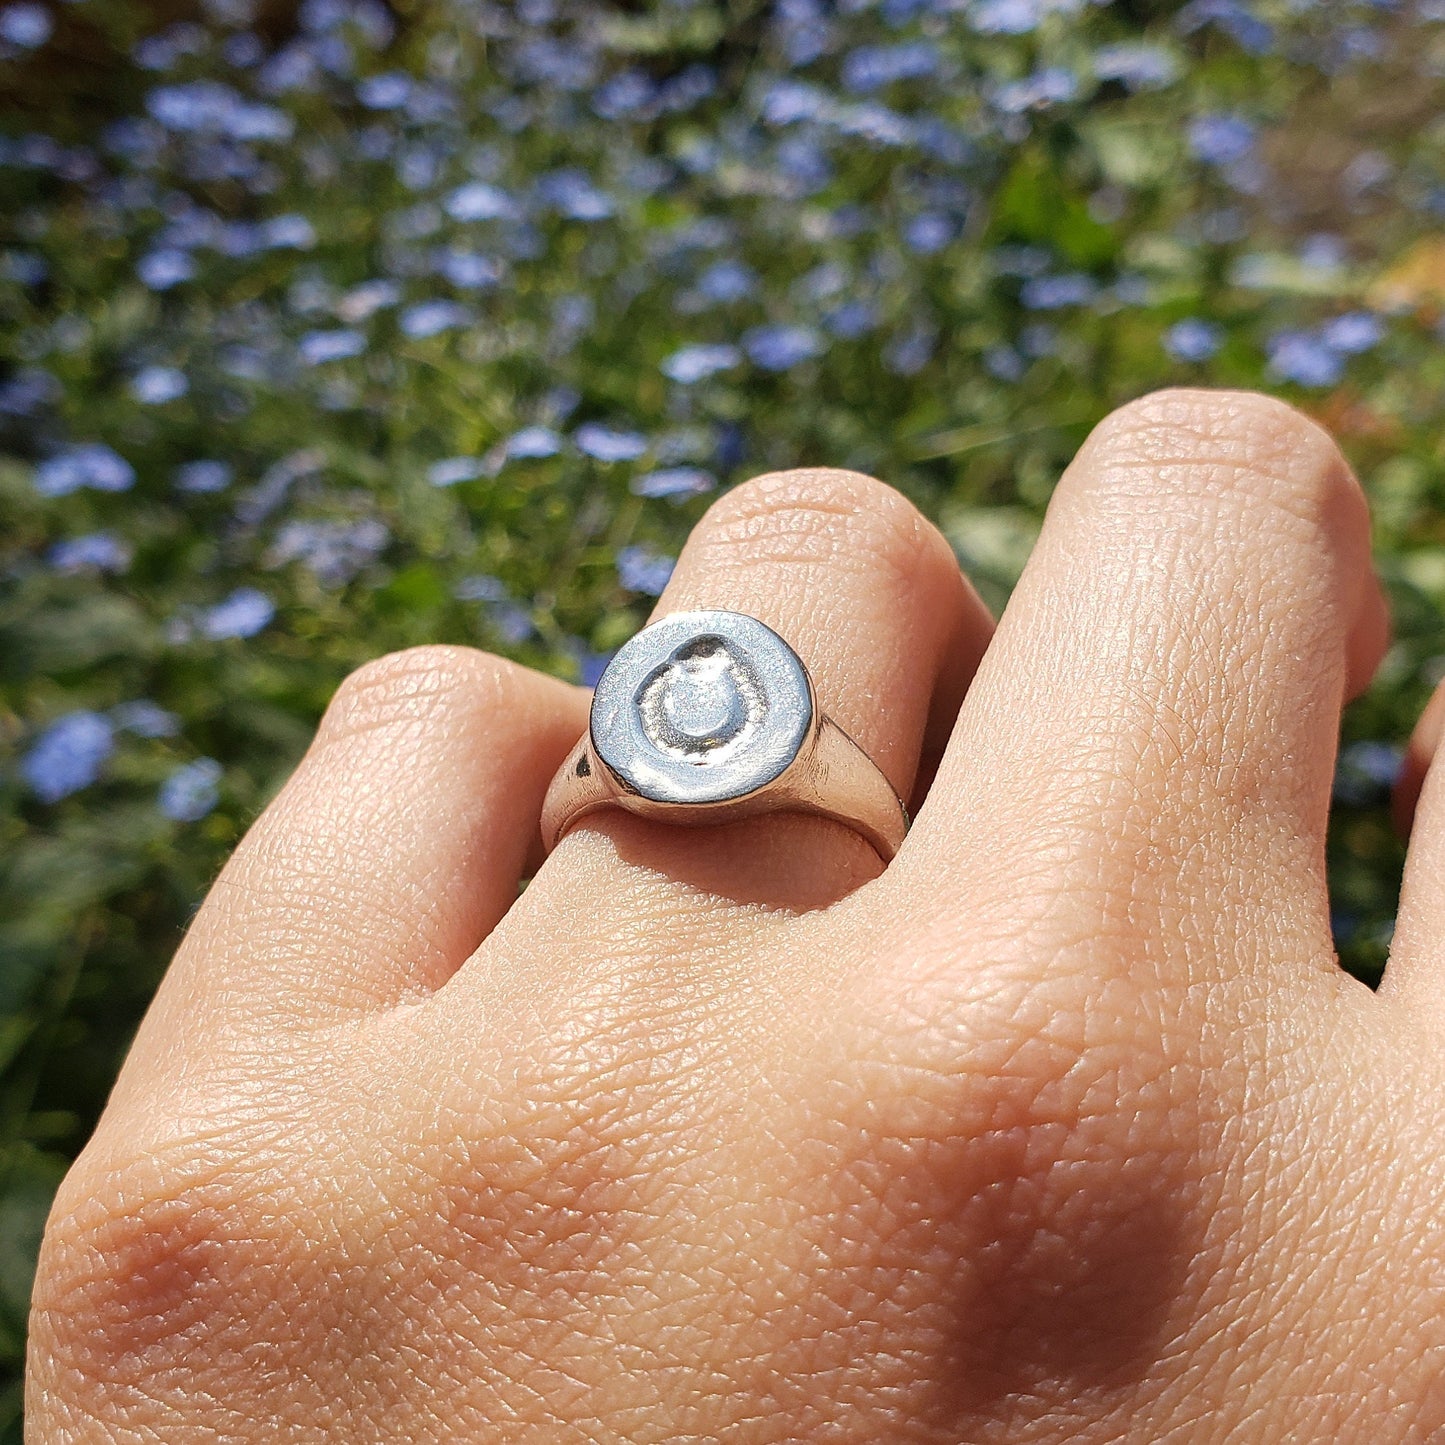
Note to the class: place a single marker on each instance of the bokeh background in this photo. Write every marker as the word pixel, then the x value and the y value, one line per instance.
pixel 329 329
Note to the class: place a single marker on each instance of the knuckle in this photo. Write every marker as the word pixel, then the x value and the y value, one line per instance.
pixel 817 514
pixel 418 683
pixel 1242 442
pixel 150 1274
pixel 1028 1165
pixel 543 1211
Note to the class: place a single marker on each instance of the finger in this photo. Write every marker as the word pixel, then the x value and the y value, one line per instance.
pixel 869 594
pixel 1158 714
pixel 1415 765
pixel 1415 973
pixel 393 849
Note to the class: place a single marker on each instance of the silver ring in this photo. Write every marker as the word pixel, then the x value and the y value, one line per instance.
pixel 708 716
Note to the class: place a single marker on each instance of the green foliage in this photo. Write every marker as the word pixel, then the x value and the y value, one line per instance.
pixel 978 234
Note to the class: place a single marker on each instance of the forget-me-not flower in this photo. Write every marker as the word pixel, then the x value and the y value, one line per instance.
pixel 26 25
pixel 1193 339
pixel 243 614
pixel 780 348
pixel 92 465
pixel 674 482
pixel 450 470
pixel 640 569
pixel 156 385
pixel 94 552
pixel 146 719
pixel 191 792
pixel 68 755
pixel 690 364
pixel 606 444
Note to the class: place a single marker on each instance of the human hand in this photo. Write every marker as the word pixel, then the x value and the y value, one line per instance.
pixel 1066 1126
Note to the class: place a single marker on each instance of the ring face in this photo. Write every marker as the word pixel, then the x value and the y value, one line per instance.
pixel 701 707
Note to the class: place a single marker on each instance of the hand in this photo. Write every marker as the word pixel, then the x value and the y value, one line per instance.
pixel 1066 1126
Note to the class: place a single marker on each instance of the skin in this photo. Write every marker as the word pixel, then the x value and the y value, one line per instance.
pixel 1066 1126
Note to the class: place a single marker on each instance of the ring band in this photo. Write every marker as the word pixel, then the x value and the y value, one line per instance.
pixel 703 717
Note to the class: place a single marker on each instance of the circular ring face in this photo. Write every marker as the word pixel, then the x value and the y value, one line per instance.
pixel 701 707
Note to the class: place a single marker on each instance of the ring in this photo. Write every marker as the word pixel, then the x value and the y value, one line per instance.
pixel 708 716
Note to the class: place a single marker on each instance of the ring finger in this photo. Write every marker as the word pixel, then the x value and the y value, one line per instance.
pixel 869 595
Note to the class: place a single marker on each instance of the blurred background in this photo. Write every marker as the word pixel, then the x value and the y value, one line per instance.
pixel 329 329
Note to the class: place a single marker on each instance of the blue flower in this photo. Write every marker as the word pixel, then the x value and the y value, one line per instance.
pixel 477 201
pixel 94 552
pixel 725 281
pixel 512 621
pixel 1377 760
pixel 676 482
pixel 93 465
pixel 469 271
pixel 202 476
pixel 908 354
pixel 1305 358
pixel 560 63
pixel 288 233
pixel 145 719
pixel 852 319
pixel 1051 86
pixel 191 792
pixel 789 101
pixel 480 588
pixel 451 470
pixel 606 445
pixel 1354 332
pixel 318 347
pixel 1054 293
pixel 803 160
pixel 591 665
pixel 571 193
pixel 1039 340
pixel 68 755
pixel 1247 30
pixel 243 614
pixel 156 385
pixel 1324 252
pixel 26 25
pixel 629 93
pixel 871 67
pixel 875 123
pixel 533 442
pixel 1136 65
pixel 366 300
pixel 642 570
pixel 161 269
pixel 390 91
pixel 27 391
pixel 927 233
pixel 690 364
pixel 1221 140
pixel 1365 773
pixel 24 267
pixel 1015 17
pixel 206 107
pixel 431 318
pixel 780 348
pixel 335 551
pixel 1193 339
pixel 1003 363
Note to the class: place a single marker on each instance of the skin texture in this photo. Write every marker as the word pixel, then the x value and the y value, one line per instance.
pixel 1066 1126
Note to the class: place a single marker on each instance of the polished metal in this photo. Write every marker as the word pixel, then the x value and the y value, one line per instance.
pixel 706 716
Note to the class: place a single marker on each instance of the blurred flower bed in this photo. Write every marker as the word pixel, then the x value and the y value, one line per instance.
pixel 332 332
